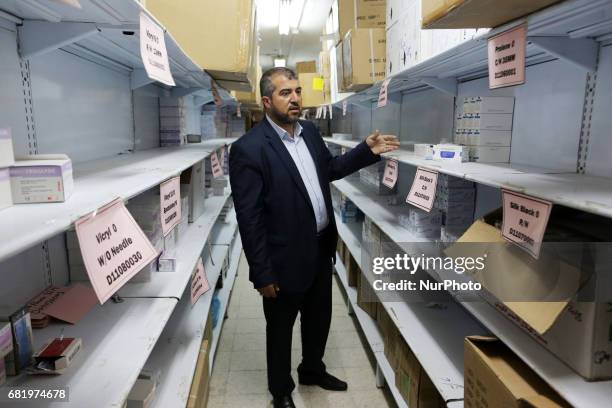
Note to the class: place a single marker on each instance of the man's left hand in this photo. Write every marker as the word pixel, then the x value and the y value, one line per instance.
pixel 380 144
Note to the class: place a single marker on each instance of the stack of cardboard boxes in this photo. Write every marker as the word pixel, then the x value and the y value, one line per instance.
pixel 456 199
pixel 230 23
pixel 171 121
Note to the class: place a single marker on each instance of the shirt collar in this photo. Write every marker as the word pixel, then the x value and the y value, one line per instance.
pixel 283 134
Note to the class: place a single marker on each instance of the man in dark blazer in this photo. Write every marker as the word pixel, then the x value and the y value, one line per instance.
pixel 280 173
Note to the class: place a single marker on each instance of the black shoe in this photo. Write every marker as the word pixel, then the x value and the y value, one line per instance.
pixel 284 402
pixel 325 381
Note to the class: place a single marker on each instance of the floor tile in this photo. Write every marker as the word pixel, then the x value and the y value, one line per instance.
pixel 249 342
pixel 247 360
pixel 247 382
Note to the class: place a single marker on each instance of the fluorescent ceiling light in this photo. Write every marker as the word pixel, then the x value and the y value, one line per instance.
pixel 280 62
pixel 284 17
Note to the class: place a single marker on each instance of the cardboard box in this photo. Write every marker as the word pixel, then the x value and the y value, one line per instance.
pixel 21 331
pixel 477 13
pixel 366 296
pixel 364 57
pixel 358 14
pixel 312 89
pixel 352 271
pixel 7 156
pixel 306 67
pixel 6 196
pixel 56 355
pixel 391 341
pixel 512 275
pixel 194 178
pixel 412 382
pixel 496 377
pixel 41 178
pixel 489 154
pixel 2 372
pixel 198 394
pixel 231 23
pixel 142 394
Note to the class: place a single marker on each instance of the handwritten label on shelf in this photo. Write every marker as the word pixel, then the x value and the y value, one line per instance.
pixel 153 51
pixel 113 246
pixel 170 204
pixel 223 158
pixel 525 221
pixel 423 191
pixel 344 107
pixel 216 165
pixel 383 94
pixel 199 283
pixel 507 58
pixel 391 173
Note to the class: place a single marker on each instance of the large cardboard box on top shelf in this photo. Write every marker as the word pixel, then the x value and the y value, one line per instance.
pixel 313 86
pixel 220 36
pixel 496 377
pixel 364 56
pixel 477 13
pixel 198 393
pixel 571 299
pixel 349 14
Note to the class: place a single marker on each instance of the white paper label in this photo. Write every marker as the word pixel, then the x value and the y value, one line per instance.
pixel 391 173
pixel 423 191
pixel 216 165
pixel 153 51
pixel 383 94
pixel 507 58
pixel 113 246
pixel 170 204
pixel 525 221
pixel 238 112
pixel 324 108
pixel 199 283
pixel 331 111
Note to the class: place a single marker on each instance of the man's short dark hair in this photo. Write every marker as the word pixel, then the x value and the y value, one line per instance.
pixel 265 84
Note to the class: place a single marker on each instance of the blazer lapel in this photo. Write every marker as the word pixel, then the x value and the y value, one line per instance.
pixel 280 149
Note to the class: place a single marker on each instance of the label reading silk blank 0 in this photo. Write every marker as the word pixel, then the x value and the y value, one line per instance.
pixel 114 248
pixel 423 191
pixel 170 197
pixel 525 221
pixel 390 174
pixel 199 283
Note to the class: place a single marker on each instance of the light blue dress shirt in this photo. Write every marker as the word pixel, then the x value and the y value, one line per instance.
pixel 296 146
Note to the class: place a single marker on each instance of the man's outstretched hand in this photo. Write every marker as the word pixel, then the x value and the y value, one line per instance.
pixel 380 144
pixel 269 291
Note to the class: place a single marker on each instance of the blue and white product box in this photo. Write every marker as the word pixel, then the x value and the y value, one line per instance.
pixel 488 104
pixel 44 178
pixel 424 151
pixel 7 157
pixel 6 196
pixel 450 152
pixel 21 356
pixel 490 154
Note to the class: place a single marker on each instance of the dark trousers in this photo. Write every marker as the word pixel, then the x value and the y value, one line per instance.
pixel 315 307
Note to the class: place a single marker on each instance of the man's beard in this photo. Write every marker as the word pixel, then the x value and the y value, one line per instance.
pixel 283 117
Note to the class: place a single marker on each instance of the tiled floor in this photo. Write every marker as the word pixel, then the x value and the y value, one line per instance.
pixel 239 373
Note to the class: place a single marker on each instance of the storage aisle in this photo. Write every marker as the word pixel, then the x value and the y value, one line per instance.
pixel 239 371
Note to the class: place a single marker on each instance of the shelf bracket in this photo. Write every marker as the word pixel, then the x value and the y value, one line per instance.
pixel 40 37
pixel 447 85
pixel 139 78
pixel 581 53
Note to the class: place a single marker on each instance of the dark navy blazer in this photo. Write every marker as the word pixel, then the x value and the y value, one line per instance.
pixel 275 215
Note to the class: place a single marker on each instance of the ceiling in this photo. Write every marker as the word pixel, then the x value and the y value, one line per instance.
pixel 303 46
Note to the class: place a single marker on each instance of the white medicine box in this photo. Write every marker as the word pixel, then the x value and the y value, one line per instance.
pixel 7 157
pixel 44 178
pixel 488 104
